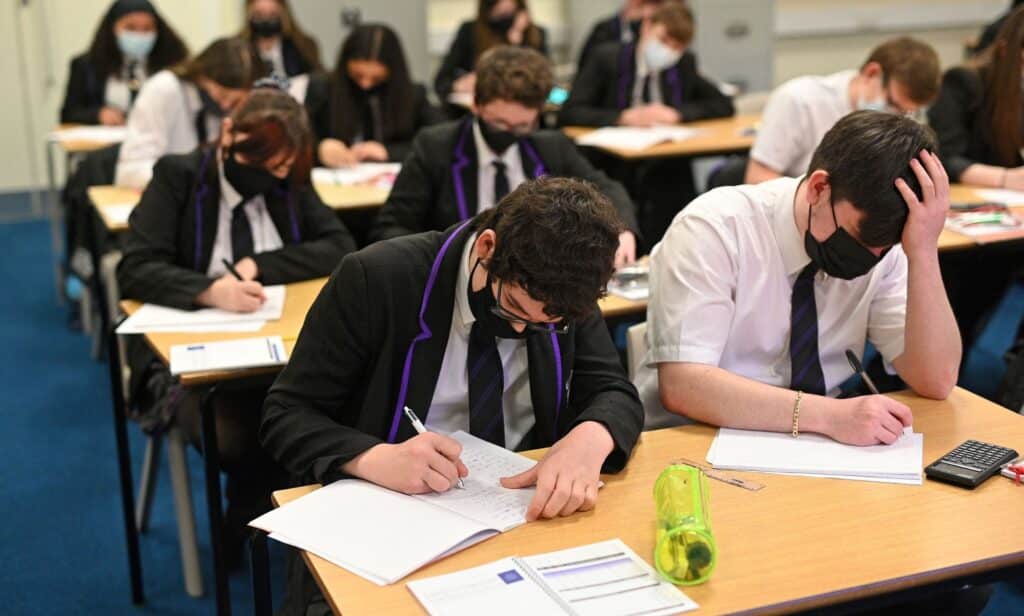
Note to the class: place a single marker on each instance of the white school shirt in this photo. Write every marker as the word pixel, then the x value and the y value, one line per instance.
pixel 274 56
pixel 449 409
pixel 116 92
pixel 485 158
pixel 162 122
pixel 721 286
pixel 638 85
pixel 796 117
pixel 264 234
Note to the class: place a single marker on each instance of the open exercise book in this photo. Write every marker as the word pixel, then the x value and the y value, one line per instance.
pixel 813 455
pixel 381 175
pixel 600 579
pixel 384 536
pixel 631 138
pixel 151 318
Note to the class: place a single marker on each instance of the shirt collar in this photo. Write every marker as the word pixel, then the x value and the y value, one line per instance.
pixel 641 64
pixel 463 313
pixel 791 244
pixel 228 195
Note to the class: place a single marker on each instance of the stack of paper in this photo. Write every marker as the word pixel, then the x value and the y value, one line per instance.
pixel 1000 195
pixel 151 318
pixel 118 213
pixel 94 134
pixel 988 224
pixel 228 355
pixel 629 138
pixel 813 455
pixel 381 175
pixel 631 281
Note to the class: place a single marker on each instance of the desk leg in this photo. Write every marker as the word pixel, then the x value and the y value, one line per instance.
pixel 55 223
pixel 92 239
pixel 260 564
pixel 125 467
pixel 211 464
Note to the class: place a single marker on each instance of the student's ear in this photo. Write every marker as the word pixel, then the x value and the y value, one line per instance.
pixel 871 69
pixel 485 243
pixel 226 137
pixel 818 188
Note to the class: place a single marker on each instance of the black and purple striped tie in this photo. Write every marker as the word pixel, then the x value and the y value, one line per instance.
pixel 486 386
pixel 803 338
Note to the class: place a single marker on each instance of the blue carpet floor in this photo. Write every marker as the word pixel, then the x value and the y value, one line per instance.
pixel 62 535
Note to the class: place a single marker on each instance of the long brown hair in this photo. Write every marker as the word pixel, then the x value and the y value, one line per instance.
pixel 274 123
pixel 229 62
pixel 487 38
pixel 1000 69
pixel 107 57
pixel 290 30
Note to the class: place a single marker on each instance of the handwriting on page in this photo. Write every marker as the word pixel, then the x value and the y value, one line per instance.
pixel 483 499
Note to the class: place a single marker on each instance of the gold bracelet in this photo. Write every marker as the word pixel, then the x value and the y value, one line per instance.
pixel 796 414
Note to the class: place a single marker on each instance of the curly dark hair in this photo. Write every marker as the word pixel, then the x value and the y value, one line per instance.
pixel 556 238
pixel 518 74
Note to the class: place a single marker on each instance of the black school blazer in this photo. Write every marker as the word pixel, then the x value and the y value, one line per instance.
pixel 462 55
pixel 604 88
pixel 437 186
pixel 84 96
pixel 171 233
pixel 374 341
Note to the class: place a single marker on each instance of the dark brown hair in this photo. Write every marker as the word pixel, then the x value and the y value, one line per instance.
pixel 1000 69
pixel 230 62
pixel 863 154
pixel 911 62
pixel 556 238
pixel 290 30
pixel 380 43
pixel 486 38
pixel 677 19
pixel 106 56
pixel 274 123
pixel 516 74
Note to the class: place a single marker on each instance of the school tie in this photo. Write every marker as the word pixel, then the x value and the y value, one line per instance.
pixel 803 338
pixel 486 386
pixel 645 94
pixel 241 234
pixel 500 182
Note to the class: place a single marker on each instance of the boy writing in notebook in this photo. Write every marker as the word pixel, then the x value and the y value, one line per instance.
pixel 758 291
pixel 900 76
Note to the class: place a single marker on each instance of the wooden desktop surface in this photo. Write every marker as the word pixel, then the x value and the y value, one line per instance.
pixel 78 147
pixel 734 134
pixel 799 543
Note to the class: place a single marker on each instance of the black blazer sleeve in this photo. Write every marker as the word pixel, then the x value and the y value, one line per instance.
pixel 309 411
pixel 413 196
pixel 82 100
pixel 704 100
pixel 953 115
pixel 601 390
pixel 318 107
pixel 325 240
pixel 426 114
pixel 458 61
pixel 586 105
pixel 149 271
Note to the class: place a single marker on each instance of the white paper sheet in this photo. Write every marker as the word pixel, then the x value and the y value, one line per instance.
pixel 501 588
pixel 163 319
pixel 630 138
pixel 228 355
pixel 118 213
pixel 818 456
pixel 375 174
pixel 97 134
pixel 1000 195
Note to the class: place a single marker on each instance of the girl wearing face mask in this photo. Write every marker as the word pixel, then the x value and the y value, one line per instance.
pixel 131 43
pixel 498 22
pixel 247 200
pixel 283 45
pixel 182 107
pixel 368 109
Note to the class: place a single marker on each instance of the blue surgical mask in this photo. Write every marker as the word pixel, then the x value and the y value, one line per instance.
pixel 136 45
pixel 659 56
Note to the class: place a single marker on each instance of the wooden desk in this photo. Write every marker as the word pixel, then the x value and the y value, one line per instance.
pixel 830 541
pixel 951 240
pixel 78 147
pixel 725 135
pixel 105 197
pixel 613 306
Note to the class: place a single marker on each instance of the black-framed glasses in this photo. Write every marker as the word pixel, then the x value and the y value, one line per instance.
pixel 543 328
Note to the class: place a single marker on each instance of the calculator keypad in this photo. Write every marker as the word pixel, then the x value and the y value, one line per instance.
pixel 977 455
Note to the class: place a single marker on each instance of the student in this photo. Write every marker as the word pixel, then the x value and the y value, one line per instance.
pixel 131 43
pixel 652 81
pixel 757 291
pixel 246 199
pixel 368 109
pixel 498 22
pixel 989 33
pixel 281 43
pixel 181 108
pixel 978 113
pixel 901 76
pixel 623 27
pixel 401 323
pixel 463 167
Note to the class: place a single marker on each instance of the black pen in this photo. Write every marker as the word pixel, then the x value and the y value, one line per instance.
pixel 231 268
pixel 859 369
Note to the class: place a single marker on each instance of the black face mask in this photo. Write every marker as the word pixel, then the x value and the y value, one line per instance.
pixel 839 256
pixel 481 302
pixel 503 24
pixel 497 140
pixel 265 28
pixel 249 181
pixel 365 93
pixel 634 26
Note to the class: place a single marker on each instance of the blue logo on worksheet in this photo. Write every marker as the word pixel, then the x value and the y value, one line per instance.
pixel 510 577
